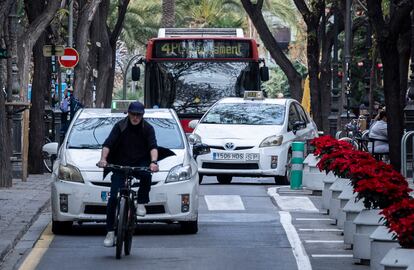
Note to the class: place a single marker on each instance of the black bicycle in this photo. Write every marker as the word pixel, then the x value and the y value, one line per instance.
pixel 125 211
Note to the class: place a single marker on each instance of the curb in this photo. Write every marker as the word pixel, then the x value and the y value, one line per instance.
pixel 21 233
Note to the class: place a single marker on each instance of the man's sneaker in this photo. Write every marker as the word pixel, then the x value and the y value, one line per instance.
pixel 109 239
pixel 141 211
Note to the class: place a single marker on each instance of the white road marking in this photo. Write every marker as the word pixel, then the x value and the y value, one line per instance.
pixel 292 203
pixel 315 219
pixel 224 202
pixel 324 241
pixel 332 255
pixel 321 230
pixel 68 57
pixel 302 259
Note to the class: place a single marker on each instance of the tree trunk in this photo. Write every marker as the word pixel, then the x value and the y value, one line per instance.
pixel 104 54
pixel 108 71
pixel 168 13
pixel 295 80
pixel 6 147
pixel 41 81
pixel 27 41
pixel 83 70
pixel 387 35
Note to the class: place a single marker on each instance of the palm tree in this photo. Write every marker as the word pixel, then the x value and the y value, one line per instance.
pixel 141 22
pixel 168 13
pixel 209 13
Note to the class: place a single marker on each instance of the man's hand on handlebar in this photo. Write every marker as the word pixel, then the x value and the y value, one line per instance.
pixel 102 163
pixel 154 167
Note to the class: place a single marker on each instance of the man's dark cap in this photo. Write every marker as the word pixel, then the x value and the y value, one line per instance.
pixel 136 107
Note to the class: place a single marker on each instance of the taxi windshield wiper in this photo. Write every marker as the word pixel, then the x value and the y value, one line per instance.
pixel 86 146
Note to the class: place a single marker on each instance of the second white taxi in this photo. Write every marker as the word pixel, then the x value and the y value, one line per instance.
pixel 251 136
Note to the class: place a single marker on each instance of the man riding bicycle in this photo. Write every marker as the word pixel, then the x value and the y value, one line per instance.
pixel 131 142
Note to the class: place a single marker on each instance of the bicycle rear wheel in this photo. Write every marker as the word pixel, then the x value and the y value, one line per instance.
pixel 130 228
pixel 120 230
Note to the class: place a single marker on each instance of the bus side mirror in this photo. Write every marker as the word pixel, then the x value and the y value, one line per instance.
pixel 135 73
pixel 264 74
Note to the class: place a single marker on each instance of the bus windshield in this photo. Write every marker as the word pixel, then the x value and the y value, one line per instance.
pixel 191 87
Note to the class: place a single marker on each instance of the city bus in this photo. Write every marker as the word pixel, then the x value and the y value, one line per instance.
pixel 190 69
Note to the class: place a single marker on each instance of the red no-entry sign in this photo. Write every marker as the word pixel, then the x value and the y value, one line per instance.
pixel 70 58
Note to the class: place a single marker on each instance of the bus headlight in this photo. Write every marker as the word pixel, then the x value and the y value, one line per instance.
pixel 272 141
pixel 70 173
pixel 179 173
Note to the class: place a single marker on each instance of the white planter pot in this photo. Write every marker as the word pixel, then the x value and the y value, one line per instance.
pixel 326 192
pixel 336 188
pixel 381 243
pixel 344 197
pixel 351 210
pixel 365 224
pixel 398 258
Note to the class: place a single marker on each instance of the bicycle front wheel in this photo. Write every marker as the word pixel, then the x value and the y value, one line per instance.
pixel 130 228
pixel 120 230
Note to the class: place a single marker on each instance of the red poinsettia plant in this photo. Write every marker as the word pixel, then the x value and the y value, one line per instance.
pixel 377 183
pixel 399 218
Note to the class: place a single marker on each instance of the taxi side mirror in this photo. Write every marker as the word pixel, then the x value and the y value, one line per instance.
pixel 298 125
pixel 264 74
pixel 200 149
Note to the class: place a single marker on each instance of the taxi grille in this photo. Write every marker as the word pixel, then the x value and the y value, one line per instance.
pixel 101 209
pixel 230 166
pixel 237 148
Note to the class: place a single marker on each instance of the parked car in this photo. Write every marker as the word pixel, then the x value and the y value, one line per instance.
pixel 251 136
pixel 79 194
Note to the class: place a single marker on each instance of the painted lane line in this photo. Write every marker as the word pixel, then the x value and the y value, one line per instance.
pixel 315 219
pixel 302 259
pixel 321 230
pixel 40 248
pixel 292 203
pixel 224 202
pixel 324 241
pixel 332 255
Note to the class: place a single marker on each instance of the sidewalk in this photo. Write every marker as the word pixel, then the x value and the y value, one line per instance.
pixel 20 206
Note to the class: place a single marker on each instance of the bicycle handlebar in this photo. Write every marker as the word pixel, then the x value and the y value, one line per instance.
pixel 127 169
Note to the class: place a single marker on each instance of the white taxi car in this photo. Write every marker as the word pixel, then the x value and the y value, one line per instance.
pixel 79 194
pixel 251 136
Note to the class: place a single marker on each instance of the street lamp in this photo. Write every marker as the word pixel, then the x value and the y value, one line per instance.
pixel 126 72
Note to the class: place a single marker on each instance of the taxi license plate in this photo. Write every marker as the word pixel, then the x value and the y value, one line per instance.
pixel 236 156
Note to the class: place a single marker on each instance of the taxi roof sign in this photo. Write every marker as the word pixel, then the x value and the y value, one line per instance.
pixel 253 95
pixel 120 106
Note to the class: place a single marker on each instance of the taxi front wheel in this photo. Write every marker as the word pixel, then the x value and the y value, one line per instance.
pixel 285 179
pixel 224 179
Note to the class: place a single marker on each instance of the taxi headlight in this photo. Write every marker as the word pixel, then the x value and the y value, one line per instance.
pixel 70 173
pixel 179 173
pixel 272 141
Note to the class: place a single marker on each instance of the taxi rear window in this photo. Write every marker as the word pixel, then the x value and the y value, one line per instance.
pixel 245 114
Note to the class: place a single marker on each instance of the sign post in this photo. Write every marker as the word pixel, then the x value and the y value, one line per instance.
pixel 69 59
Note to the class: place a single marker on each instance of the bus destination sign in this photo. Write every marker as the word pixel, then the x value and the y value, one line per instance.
pixel 202 49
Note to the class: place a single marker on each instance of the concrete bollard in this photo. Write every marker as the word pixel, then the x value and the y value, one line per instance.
pixel 297 165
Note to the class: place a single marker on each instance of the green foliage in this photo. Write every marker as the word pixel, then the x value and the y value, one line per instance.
pixel 278 82
pixel 209 13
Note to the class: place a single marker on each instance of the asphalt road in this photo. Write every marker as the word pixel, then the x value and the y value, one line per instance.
pixel 240 227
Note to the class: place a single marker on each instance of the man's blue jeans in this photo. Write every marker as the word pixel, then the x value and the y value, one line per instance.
pixel 117 182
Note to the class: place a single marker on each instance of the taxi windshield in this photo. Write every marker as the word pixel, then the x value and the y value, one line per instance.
pixel 90 133
pixel 245 114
